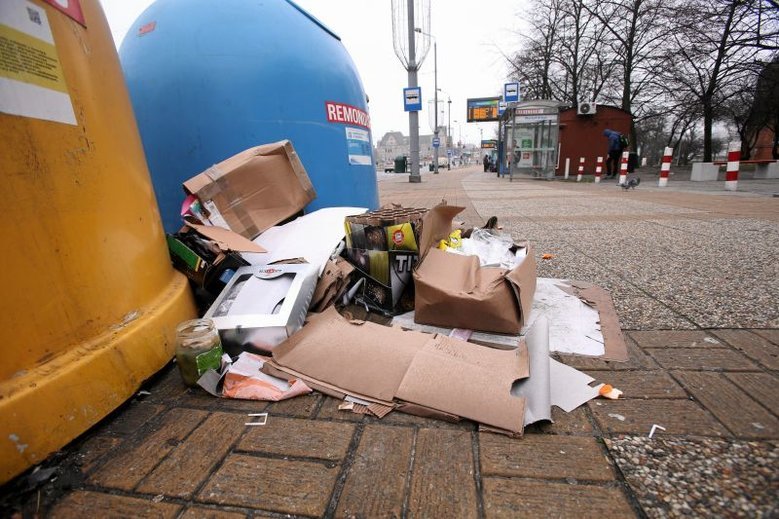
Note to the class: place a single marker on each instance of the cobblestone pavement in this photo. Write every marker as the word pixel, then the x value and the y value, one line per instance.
pixel 695 281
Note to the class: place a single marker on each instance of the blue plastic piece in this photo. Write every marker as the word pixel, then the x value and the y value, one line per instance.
pixel 209 79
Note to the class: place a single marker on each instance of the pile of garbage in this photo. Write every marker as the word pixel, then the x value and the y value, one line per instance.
pixel 395 309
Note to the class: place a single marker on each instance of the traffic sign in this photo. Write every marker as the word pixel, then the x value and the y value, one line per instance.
pixel 412 99
pixel 511 92
pixel 502 107
pixel 436 142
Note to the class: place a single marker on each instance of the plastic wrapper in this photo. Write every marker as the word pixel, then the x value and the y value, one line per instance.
pixel 493 248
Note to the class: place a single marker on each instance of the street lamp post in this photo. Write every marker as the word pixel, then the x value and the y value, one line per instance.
pixel 435 97
pixel 449 135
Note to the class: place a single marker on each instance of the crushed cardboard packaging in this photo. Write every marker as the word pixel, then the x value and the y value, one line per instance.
pixel 263 305
pixel 253 190
pixel 314 237
pixel 331 284
pixel 387 365
pixel 456 292
pixel 556 299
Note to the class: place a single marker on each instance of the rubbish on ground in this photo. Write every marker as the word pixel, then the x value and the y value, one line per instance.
pixel 143 393
pixel 198 349
pixel 209 256
pixel 245 380
pixel 332 284
pixel 575 327
pixel 263 305
pixel 411 371
pixel 492 340
pixel 263 418
pixel 654 427
pixel 456 292
pixel 614 345
pixel 608 391
pixel 383 246
pixel 460 333
pixel 547 256
pixel 617 416
pixel 493 248
pixel 253 190
pixel 314 237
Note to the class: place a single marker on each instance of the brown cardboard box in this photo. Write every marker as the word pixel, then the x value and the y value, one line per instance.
pixel 455 291
pixel 435 374
pixel 255 189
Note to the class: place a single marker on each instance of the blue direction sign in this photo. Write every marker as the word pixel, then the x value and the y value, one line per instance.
pixel 412 99
pixel 511 92
pixel 501 107
pixel 436 142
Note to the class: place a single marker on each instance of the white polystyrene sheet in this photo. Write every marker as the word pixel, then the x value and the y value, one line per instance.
pixel 574 327
pixel 313 236
pixel 537 387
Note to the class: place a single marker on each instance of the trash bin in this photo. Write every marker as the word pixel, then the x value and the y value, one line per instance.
pixel 632 161
pixel 400 164
pixel 90 301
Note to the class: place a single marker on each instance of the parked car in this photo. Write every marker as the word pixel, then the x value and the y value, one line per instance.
pixel 388 166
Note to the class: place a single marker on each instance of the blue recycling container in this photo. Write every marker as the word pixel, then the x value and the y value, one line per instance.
pixel 209 79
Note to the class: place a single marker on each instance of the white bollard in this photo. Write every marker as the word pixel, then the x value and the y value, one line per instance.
pixel 581 170
pixel 567 167
pixel 665 167
pixel 598 169
pixel 623 168
pixel 734 161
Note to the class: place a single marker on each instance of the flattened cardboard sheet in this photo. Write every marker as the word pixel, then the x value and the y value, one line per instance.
pixel 388 364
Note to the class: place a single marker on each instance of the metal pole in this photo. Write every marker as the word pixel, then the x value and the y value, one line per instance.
pixel 413 117
pixel 449 136
pixel 435 102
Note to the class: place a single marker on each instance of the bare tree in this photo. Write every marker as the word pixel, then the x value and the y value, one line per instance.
pixel 713 49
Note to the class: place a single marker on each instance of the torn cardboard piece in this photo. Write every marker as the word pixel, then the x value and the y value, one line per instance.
pixel 253 190
pixel 331 285
pixel 389 365
pixel 456 292
pixel 491 340
pixel 263 305
pixel 574 327
pixel 614 345
pixel 313 236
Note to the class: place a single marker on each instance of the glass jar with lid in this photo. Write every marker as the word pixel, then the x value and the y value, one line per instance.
pixel 198 349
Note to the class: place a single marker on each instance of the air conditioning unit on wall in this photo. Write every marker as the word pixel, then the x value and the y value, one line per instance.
pixel 586 108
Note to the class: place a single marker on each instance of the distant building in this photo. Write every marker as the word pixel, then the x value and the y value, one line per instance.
pixel 395 144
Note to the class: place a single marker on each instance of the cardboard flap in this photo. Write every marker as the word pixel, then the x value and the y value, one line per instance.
pixel 366 358
pixel 436 225
pixel 523 280
pixel 226 239
pixel 445 376
pixel 385 363
pixel 613 341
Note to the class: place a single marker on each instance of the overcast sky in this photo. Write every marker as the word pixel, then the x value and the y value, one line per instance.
pixel 471 38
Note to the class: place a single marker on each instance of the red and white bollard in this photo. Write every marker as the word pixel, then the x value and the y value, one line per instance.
pixel 598 169
pixel 623 168
pixel 734 160
pixel 665 167
pixel 581 170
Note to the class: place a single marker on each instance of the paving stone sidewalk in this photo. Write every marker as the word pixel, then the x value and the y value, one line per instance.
pixel 695 278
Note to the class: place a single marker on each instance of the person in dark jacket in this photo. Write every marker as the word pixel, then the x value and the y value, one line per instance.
pixel 486 163
pixel 614 152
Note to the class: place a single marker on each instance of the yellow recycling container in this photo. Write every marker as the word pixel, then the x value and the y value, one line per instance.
pixel 89 301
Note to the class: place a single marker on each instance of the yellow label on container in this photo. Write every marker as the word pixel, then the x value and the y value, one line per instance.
pixel 401 237
pixel 30 60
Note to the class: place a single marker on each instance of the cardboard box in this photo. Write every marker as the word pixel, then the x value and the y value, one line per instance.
pixel 209 255
pixel 412 371
pixel 383 246
pixel 455 291
pixel 262 306
pixel 253 190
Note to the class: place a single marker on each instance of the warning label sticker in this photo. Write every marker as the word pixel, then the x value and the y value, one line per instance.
pixel 31 80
